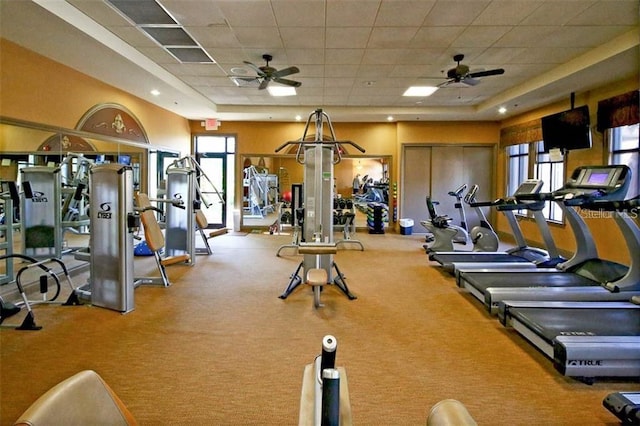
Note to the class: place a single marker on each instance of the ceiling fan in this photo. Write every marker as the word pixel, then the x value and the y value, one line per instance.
pixel 461 74
pixel 267 74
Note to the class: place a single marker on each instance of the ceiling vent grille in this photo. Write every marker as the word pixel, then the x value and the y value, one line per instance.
pixel 143 12
pixel 151 18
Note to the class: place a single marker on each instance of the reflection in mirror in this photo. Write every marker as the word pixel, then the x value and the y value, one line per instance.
pixel 267 187
pixel 27 149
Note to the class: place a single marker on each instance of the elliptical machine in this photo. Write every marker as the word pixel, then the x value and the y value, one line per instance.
pixel 483 237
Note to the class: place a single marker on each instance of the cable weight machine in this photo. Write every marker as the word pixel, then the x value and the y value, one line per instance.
pixel 318 154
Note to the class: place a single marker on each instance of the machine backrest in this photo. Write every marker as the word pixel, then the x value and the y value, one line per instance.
pixel 82 399
pixel 431 208
pixel 201 220
pixel 152 233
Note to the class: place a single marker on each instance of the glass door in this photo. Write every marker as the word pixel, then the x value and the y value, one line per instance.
pixel 216 156
pixel 212 187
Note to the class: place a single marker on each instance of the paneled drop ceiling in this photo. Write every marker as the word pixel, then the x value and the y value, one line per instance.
pixel 356 57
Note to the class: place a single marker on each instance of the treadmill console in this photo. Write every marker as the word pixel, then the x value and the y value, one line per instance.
pixel 528 187
pixel 598 181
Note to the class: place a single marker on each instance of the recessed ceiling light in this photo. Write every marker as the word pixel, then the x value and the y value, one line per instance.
pixel 298 117
pixel 281 91
pixel 155 92
pixel 502 110
pixel 420 91
pixel 390 118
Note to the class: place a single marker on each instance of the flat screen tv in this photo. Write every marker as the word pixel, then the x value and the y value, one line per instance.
pixel 124 159
pixel 567 130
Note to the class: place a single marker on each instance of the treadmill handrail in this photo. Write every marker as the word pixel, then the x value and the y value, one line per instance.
pixel 613 205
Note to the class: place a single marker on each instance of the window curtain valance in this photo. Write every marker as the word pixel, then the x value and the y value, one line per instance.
pixel 621 110
pixel 528 132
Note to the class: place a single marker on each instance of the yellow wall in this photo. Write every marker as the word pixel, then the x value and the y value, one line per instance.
pixel 39 90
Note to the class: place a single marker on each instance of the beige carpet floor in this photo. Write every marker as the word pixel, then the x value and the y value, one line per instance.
pixel 219 347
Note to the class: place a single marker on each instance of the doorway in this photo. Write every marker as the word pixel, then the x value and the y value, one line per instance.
pixel 216 157
pixel 435 170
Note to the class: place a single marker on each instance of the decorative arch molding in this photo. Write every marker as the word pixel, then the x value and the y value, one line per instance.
pixel 65 143
pixel 113 120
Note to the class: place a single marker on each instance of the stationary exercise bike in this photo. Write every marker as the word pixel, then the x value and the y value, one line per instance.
pixel 444 233
pixel 483 236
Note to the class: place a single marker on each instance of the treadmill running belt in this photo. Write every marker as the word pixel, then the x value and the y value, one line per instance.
pixel 483 281
pixel 549 323
pixel 444 258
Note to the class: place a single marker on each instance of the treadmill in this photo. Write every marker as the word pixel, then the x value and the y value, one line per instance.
pixel 521 256
pixel 587 339
pixel 582 277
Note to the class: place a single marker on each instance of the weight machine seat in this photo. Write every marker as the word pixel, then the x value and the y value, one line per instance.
pixel 82 399
pixel 317 276
pixel 153 234
pixel 203 223
pixel 450 412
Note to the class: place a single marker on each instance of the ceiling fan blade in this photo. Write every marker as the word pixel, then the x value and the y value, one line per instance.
pixel 287 82
pixel 263 84
pixel 255 68
pixel 487 73
pixel 286 71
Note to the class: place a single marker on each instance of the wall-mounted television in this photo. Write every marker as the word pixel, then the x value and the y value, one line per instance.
pixel 567 130
pixel 124 159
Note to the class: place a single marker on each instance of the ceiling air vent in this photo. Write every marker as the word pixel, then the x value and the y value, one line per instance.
pixel 143 12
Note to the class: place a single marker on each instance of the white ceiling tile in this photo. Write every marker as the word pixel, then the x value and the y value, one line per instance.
pixel 397 13
pixel 263 37
pixel 247 13
pixel 556 12
pixel 391 37
pixel 381 56
pixel 351 13
pixel 214 36
pixel 512 12
pixel 344 56
pixel 199 13
pixel 374 71
pixel 480 36
pixel 525 36
pixel 621 12
pixel 337 70
pixel 436 36
pixel 299 13
pixel 300 37
pixel 455 12
pixel 347 38
pixel 305 56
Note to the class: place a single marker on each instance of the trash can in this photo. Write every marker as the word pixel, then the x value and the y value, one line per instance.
pixel 406 226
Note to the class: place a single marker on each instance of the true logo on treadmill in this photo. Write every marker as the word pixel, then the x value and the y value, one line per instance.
pixel 105 211
pixel 585 362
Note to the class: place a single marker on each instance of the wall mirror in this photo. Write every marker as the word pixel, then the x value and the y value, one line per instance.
pixel 26 145
pixel 267 186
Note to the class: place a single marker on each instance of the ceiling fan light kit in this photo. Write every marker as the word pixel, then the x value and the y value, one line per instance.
pixel 266 74
pixel 462 75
